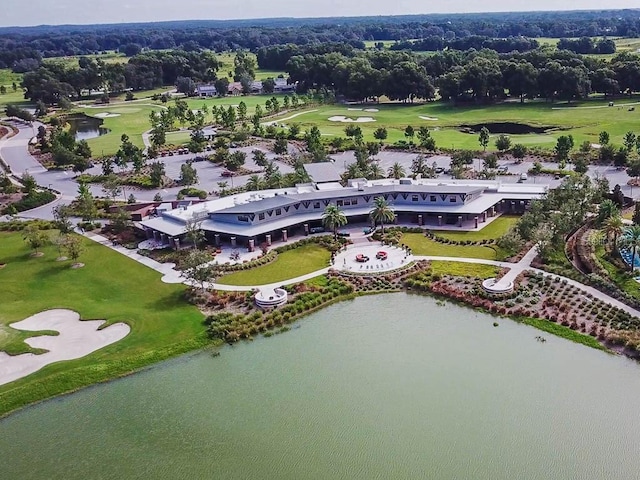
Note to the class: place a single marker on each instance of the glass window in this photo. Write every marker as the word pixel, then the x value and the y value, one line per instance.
pixel 278 211
pixel 452 199
pixel 433 198
pixel 261 216
pixel 316 205
pixel 414 198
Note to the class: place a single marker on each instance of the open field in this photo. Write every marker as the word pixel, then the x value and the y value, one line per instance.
pixel 133 118
pixel 110 287
pixel 72 61
pixel 493 231
pixel 584 120
pixel 7 77
pixel 290 264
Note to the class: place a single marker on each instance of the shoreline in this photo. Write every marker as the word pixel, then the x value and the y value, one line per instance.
pixel 21 401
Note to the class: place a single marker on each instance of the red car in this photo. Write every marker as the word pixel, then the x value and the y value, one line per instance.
pixel 227 173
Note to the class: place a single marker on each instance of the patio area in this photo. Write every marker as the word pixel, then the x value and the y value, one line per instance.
pixel 371 258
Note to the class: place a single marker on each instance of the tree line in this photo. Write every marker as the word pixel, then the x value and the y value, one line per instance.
pixel 474 75
pixel 34 43
pixel 53 81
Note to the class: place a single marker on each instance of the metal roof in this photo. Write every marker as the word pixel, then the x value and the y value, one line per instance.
pixel 322 172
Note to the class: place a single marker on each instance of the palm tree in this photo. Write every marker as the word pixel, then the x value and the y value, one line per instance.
pixel 333 218
pixel 375 172
pixel 254 183
pixel 613 228
pixel 381 212
pixel 396 171
pixel 606 210
pixel 631 239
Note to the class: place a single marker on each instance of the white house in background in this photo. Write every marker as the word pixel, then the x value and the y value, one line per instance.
pixel 281 85
pixel 251 218
pixel 206 91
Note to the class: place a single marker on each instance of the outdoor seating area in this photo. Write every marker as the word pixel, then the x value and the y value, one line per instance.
pixel 370 258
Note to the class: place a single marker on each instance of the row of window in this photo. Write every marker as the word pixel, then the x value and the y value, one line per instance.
pixel 343 203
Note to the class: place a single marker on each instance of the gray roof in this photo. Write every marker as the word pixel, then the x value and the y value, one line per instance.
pixel 333 195
pixel 322 172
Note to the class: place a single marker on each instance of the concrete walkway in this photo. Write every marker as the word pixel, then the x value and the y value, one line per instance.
pixel 171 275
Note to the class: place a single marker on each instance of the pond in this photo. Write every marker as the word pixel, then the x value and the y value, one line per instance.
pixel 391 386
pixel 85 127
pixel 508 128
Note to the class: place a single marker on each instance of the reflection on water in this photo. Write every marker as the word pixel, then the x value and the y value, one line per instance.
pixel 385 387
pixel 85 127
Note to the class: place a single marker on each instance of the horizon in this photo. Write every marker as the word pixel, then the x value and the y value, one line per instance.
pixel 139 14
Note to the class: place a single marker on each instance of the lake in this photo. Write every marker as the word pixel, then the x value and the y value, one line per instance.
pixel 392 386
pixel 85 127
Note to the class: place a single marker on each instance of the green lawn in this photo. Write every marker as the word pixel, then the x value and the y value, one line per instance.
pixel 133 118
pixel 421 245
pixel 290 264
pixel 7 77
pixel 493 231
pixel 584 120
pixel 461 269
pixel 110 287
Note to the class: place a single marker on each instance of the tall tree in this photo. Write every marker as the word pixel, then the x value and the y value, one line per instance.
pixel 483 138
pixel 381 213
pixel 333 218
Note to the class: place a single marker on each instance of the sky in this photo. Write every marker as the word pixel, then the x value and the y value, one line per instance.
pixel 54 12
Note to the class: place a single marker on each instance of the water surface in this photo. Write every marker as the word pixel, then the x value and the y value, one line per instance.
pixel 392 386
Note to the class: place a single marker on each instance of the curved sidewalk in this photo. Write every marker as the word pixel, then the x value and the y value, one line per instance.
pixel 171 275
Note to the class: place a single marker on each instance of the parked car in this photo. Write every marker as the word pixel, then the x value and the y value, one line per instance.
pixel 523 177
pixel 503 169
pixel 439 169
pixel 227 173
pixel 344 234
pixel 316 230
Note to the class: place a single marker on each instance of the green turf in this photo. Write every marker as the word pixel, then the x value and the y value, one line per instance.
pixel 461 269
pixel 494 230
pixel 133 118
pixel 290 264
pixel 564 332
pixel 110 287
pixel 421 245
pixel 584 120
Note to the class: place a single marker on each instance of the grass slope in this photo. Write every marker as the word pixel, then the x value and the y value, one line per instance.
pixel 421 245
pixel 110 287
pixel 584 120
pixel 461 269
pixel 493 231
pixel 290 264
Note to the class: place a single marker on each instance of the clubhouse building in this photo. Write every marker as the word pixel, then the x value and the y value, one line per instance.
pixel 251 218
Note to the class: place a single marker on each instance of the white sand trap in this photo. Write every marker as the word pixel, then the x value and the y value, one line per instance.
pixel 343 119
pixel 431 119
pixel 106 115
pixel 596 146
pixel 77 339
pixel 273 122
pixel 354 109
pixel 371 110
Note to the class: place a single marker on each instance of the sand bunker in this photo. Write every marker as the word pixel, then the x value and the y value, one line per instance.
pixel 431 119
pixel 77 339
pixel 371 110
pixel 343 119
pixel 354 109
pixel 106 115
